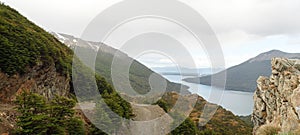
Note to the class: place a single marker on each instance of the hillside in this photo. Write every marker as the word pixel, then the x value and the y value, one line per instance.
pixel 223 122
pixel 138 73
pixel 34 61
pixel 27 52
pixel 243 76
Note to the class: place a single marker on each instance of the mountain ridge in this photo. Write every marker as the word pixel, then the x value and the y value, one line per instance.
pixel 242 77
pixel 139 73
pixel 273 53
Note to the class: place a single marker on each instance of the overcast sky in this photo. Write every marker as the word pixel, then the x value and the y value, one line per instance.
pixel 244 28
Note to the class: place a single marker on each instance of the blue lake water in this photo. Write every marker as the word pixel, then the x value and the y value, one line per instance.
pixel 240 103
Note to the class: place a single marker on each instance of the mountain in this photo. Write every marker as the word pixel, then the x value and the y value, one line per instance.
pixel 184 71
pixel 33 60
pixel 223 122
pixel 277 99
pixel 139 74
pixel 243 76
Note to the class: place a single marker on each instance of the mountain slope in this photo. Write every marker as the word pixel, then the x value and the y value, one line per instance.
pixel 34 60
pixel 243 77
pixel 27 52
pixel 139 74
pixel 223 122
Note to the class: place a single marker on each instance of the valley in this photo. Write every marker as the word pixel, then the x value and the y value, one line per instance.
pixel 39 78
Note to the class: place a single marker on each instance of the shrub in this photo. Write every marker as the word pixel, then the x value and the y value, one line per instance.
pixel 267 130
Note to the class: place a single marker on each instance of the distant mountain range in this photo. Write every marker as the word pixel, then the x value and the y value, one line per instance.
pixel 243 76
pixel 172 70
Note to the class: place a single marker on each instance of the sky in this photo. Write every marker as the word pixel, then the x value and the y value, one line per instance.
pixel 244 28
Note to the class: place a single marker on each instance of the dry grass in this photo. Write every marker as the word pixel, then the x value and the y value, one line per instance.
pixel 267 130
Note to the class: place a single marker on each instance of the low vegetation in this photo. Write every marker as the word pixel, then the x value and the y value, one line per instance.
pixel 268 130
pixel 222 123
pixel 247 120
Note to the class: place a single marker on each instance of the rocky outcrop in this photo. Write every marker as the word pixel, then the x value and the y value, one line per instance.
pixel 277 99
pixel 42 80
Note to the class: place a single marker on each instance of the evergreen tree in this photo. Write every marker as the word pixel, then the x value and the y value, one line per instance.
pixel 33 119
pixel 41 118
pixel 186 128
pixel 75 127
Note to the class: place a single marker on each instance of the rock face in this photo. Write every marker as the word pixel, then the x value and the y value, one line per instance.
pixel 153 117
pixel 277 99
pixel 42 80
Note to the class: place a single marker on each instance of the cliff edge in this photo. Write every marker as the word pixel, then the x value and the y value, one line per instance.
pixel 277 99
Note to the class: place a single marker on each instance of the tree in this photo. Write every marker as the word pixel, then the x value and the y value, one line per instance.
pixel 186 128
pixel 75 127
pixel 39 117
pixel 32 119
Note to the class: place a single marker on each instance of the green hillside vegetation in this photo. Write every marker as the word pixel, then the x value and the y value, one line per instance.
pixel 247 119
pixel 44 118
pixel 138 73
pixel 24 45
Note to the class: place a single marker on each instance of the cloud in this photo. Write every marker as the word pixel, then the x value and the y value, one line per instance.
pixel 244 28
pixel 254 17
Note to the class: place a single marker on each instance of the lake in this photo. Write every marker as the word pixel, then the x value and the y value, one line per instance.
pixel 240 103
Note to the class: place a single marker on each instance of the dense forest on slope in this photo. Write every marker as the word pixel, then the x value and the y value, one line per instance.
pixel 37 116
pixel 24 45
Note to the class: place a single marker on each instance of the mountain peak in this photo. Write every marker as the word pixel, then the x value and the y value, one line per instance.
pixel 274 53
